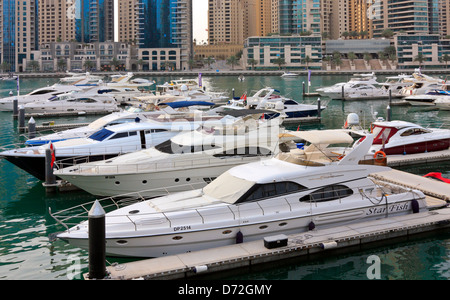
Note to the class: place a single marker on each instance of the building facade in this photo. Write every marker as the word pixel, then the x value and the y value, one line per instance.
pixel 294 50
pixel 97 20
pixel 18 36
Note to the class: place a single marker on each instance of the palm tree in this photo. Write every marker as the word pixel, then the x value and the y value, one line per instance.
pixel 307 60
pixel 253 62
pixel 345 34
pixel 209 60
pixel 233 61
pixel 61 64
pixel 279 61
pixel 446 58
pixel 34 65
pixel 352 56
pixel 140 63
pixel 420 58
pixel 115 62
pixel 88 65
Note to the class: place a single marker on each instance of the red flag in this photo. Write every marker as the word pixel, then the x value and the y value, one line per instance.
pixel 52 151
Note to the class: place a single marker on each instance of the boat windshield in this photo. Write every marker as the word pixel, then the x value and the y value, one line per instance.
pixel 227 188
pixel 101 135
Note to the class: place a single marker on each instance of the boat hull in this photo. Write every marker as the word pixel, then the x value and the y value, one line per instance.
pixel 153 183
pixel 423 147
pixel 184 239
pixel 35 165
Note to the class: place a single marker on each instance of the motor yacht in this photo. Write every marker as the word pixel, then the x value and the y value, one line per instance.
pixel 103 144
pixel 249 202
pixel 289 75
pixel 443 103
pixel 400 137
pixel 335 91
pixel 194 158
pixel 270 99
pixel 44 93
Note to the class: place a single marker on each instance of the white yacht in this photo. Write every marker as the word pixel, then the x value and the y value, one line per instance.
pixel 114 118
pixel 443 103
pixel 335 91
pixel 41 94
pixel 193 158
pixel 289 75
pixel 402 138
pixel 74 102
pixel 270 99
pixel 252 201
pixel 103 144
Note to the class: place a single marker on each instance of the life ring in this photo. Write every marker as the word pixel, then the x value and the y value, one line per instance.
pixel 379 156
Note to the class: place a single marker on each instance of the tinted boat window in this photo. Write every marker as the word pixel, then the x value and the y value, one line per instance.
pixel 101 134
pixel 270 190
pixel 328 193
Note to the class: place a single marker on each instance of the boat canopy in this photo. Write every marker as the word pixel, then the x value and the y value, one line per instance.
pixel 227 188
pixel 320 136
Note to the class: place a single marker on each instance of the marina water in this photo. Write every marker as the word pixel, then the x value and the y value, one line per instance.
pixel 25 224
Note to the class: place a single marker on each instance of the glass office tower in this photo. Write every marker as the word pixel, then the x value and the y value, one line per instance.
pixel 156 23
pixel 8 49
pixel 97 20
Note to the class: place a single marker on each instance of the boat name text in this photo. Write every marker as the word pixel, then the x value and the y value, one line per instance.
pixel 392 208
pixel 178 228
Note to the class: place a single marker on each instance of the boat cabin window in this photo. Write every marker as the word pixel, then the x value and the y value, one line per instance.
pixel 148 131
pixel 382 134
pixel 268 190
pixel 119 135
pixel 328 193
pixel 101 134
pixel 290 102
pixel 415 131
pixel 42 92
pixel 244 151
pixel 170 147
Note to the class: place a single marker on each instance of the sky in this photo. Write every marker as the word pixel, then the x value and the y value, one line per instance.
pixel 200 19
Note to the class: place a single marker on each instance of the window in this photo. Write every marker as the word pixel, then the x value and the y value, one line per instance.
pixel 101 134
pixel 269 190
pixel 328 193
pixel 119 135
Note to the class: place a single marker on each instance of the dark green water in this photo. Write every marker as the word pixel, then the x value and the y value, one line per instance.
pixel 25 223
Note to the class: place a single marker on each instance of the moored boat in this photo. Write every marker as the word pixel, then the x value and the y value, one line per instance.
pixel 253 201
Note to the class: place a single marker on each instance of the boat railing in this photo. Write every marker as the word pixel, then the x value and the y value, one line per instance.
pixel 78 165
pixel 75 215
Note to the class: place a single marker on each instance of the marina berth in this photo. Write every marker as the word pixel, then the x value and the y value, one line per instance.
pixel 251 201
pixel 189 158
pixel 103 144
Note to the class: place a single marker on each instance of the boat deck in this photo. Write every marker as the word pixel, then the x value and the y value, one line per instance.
pixel 312 242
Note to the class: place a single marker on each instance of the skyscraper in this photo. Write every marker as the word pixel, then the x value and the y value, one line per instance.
pixel 299 16
pixel 97 20
pixel 17 33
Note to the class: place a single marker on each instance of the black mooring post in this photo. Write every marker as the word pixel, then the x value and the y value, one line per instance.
pixel 319 106
pixel 50 178
pixel 97 242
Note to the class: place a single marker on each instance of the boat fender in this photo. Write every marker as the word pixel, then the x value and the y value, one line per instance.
pixel 379 155
pixel 239 237
pixel 200 269
pixel 328 245
pixel 311 226
pixel 415 206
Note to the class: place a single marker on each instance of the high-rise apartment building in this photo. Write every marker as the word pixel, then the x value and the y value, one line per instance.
pixel 299 16
pixel 56 20
pixel 407 16
pixel 17 33
pixel 227 21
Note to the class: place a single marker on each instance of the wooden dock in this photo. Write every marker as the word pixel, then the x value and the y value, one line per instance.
pixel 248 254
